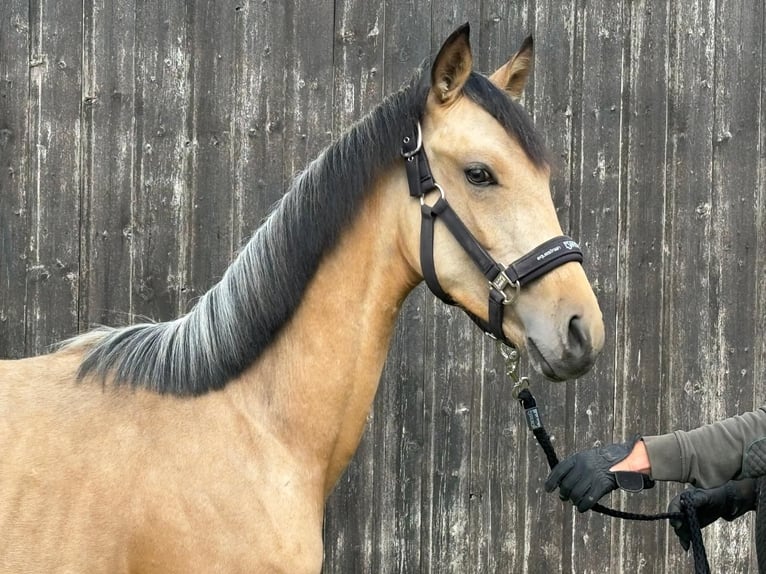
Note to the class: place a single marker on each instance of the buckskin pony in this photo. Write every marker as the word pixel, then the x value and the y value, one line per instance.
pixel 210 443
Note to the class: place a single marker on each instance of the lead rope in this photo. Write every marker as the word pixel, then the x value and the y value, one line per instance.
pixel 688 513
pixel 760 525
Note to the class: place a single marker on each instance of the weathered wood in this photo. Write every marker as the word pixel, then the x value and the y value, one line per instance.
pixel 739 51
pixel 214 142
pixel 260 120
pixel 14 176
pixel 759 345
pixel 163 146
pixel 597 215
pixel 140 145
pixel 55 70
pixel 109 168
pixel 309 86
pixel 688 327
pixel 641 270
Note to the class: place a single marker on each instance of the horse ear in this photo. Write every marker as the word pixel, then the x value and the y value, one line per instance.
pixel 512 76
pixel 452 65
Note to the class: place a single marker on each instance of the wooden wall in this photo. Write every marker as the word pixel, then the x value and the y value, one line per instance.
pixel 142 142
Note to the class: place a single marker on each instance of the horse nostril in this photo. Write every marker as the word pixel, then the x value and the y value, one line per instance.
pixel 579 342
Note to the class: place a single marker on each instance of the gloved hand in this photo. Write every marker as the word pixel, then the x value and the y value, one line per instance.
pixel 585 477
pixel 729 501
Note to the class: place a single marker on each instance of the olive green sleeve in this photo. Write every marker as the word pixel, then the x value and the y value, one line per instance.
pixel 713 454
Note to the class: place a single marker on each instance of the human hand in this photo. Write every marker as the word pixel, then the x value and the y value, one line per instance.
pixel 729 501
pixel 585 476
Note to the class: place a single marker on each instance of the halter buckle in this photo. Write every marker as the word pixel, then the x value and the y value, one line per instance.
pixel 418 146
pixel 500 283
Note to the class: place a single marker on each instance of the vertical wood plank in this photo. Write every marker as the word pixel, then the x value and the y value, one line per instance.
pixel 108 117
pixel 215 145
pixel 450 382
pixel 641 268
pixel 739 45
pixel 598 191
pixel 759 387
pixel 688 328
pixel 502 26
pixel 309 85
pixel 163 146
pixel 54 168
pixel 498 528
pixel 14 157
pixel 259 150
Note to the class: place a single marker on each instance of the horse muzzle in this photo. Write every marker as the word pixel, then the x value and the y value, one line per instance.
pixel 568 352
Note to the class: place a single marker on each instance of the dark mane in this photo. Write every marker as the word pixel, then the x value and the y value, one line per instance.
pixel 236 320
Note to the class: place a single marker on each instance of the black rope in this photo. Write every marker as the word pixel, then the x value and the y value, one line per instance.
pixel 701 565
pixel 760 525
pixel 688 513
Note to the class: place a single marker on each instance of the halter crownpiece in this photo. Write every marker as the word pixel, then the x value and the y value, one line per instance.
pixel 505 283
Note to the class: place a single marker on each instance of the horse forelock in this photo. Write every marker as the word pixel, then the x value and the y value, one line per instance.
pixel 509 114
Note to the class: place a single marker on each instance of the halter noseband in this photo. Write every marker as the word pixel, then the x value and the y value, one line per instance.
pixel 504 283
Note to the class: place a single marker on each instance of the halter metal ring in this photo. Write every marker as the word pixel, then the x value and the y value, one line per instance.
pixel 518 386
pixel 441 192
pixel 501 282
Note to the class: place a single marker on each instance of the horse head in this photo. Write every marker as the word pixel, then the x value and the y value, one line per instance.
pixel 483 157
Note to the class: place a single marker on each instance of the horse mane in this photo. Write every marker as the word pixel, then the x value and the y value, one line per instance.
pixel 236 320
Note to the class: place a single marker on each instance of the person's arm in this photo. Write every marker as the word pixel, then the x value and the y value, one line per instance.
pixel 710 455
pixel 729 501
pixel 707 456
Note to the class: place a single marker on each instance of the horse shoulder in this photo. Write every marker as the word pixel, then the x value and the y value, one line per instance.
pixel 226 494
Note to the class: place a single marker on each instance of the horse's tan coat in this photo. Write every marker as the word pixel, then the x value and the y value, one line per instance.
pixel 101 479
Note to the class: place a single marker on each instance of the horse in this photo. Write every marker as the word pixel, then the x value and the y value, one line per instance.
pixel 210 443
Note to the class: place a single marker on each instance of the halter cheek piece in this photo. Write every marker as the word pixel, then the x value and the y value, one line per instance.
pixel 504 283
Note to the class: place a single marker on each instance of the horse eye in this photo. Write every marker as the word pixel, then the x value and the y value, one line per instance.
pixel 479 175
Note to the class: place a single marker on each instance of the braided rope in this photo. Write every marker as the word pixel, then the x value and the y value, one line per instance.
pixel 698 547
pixel 760 525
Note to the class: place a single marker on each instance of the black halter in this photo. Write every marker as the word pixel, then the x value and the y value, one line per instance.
pixel 504 283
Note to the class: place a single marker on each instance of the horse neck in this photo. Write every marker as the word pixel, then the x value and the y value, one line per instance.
pixel 317 381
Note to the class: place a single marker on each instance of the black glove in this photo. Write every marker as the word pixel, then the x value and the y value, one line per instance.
pixel 584 477
pixel 729 501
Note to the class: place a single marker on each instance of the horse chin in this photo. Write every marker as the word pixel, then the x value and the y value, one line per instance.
pixel 542 366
